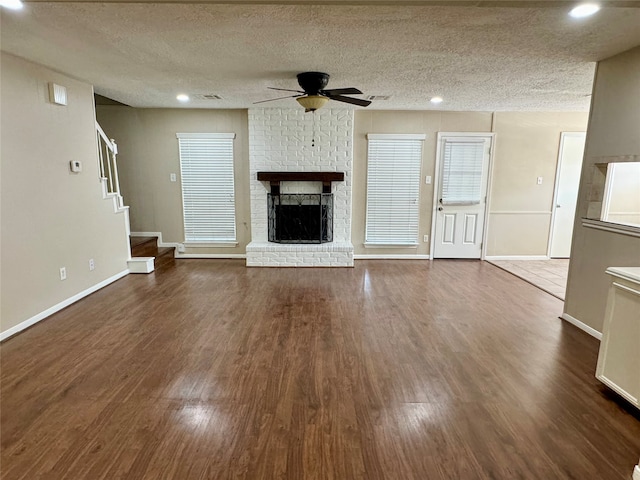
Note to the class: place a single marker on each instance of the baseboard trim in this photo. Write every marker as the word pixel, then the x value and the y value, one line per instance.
pixel 636 472
pixel 391 256
pixel 210 255
pixel 489 258
pixel 582 326
pixel 158 235
pixel 56 308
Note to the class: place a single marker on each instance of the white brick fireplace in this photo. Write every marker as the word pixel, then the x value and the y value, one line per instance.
pixel 280 140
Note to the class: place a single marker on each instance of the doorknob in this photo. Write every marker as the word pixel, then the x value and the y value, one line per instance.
pixel 440 209
pixel 558 206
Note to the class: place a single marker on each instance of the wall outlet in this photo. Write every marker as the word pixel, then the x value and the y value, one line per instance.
pixel 63 273
pixel 92 264
pixel 181 248
pixel 427 180
pixel 173 177
pixel 539 180
pixel 425 239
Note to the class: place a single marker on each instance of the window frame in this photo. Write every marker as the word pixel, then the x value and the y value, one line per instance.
pixel 408 238
pixel 226 140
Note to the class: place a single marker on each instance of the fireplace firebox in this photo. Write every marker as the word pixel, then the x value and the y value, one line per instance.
pixel 300 217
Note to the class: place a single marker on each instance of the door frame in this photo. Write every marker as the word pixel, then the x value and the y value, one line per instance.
pixel 436 185
pixel 556 184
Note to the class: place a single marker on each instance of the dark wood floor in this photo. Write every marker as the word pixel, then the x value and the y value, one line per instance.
pixel 391 370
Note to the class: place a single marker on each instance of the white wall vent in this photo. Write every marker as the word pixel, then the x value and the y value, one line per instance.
pixel 378 97
pixel 57 94
pixel 208 96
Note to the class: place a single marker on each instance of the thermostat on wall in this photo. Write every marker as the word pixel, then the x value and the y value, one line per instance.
pixel 76 166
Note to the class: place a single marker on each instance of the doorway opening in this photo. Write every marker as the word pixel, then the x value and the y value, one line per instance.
pixel 550 274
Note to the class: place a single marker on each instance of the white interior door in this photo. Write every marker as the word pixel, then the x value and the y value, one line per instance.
pixel 461 196
pixel 566 195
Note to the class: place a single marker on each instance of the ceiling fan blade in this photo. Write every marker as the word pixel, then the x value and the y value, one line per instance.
pixel 280 98
pixel 353 101
pixel 285 90
pixel 341 91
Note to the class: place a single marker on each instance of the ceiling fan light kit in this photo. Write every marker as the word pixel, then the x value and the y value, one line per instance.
pixel 314 96
pixel 311 103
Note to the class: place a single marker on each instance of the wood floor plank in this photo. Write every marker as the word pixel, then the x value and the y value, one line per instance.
pixel 207 370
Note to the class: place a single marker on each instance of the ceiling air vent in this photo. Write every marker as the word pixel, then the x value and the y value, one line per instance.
pixel 207 96
pixel 378 97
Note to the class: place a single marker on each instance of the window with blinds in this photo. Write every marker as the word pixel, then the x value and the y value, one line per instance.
pixel 208 193
pixel 462 172
pixel 393 186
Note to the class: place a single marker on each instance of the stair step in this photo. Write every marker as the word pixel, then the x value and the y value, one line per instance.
pixel 148 247
pixel 144 246
pixel 135 241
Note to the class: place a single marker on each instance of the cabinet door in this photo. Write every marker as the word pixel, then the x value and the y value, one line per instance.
pixel 619 358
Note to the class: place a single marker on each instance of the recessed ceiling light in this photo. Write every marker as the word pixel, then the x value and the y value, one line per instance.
pixel 584 10
pixel 11 4
pixel 436 100
pixel 183 97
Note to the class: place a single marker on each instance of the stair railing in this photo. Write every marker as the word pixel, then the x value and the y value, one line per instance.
pixel 107 152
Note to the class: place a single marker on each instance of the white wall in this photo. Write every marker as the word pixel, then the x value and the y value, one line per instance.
pixel 50 218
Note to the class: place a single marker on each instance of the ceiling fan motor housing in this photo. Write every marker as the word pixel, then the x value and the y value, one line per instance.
pixel 313 82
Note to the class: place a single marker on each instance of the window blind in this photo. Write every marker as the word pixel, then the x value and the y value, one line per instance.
pixel 208 192
pixel 393 184
pixel 462 172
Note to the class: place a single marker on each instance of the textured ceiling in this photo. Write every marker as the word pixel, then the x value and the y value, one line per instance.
pixel 484 58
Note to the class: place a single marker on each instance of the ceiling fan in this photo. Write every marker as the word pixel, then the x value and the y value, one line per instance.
pixel 313 94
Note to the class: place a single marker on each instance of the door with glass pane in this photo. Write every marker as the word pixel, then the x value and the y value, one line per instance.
pixel 461 196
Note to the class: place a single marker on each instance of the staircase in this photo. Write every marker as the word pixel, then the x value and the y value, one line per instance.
pixel 147 256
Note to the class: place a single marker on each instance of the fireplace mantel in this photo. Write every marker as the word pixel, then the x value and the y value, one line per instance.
pixel 301 176
pixel 325 177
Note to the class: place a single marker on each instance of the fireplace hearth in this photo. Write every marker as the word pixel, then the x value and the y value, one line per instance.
pixel 300 218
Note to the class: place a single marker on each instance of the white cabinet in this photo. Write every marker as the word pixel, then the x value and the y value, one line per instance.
pixel 619 357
